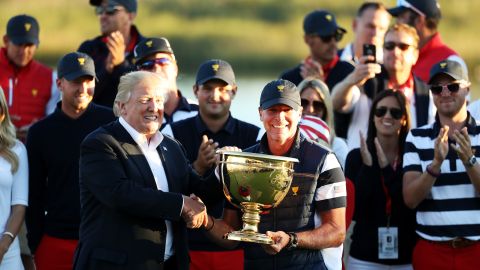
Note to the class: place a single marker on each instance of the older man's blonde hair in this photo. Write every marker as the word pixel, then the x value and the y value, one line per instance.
pixel 130 80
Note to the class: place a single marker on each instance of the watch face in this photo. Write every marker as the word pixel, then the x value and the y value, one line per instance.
pixel 472 161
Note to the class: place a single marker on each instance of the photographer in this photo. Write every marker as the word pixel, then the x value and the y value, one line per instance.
pixel 354 94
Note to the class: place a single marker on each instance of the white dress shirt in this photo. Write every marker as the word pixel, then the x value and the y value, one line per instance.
pixel 149 150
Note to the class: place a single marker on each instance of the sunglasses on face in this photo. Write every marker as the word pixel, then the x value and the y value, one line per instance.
pixel 109 10
pixel 390 46
pixel 437 89
pixel 317 105
pixel 336 36
pixel 396 113
pixel 150 64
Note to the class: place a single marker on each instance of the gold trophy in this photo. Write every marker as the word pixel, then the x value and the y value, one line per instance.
pixel 255 183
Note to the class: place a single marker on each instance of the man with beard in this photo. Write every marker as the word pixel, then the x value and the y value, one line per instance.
pixel 442 176
pixel 322 35
pixel 29 86
pixel 112 51
pixel 213 127
pixel 355 94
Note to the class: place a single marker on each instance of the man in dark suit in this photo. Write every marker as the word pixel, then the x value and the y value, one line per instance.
pixel 134 186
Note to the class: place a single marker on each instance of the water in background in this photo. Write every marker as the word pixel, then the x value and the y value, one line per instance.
pixel 246 102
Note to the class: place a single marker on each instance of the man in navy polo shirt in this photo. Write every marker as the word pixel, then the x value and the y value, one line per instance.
pixel 156 55
pixel 311 218
pixel 213 127
pixel 53 144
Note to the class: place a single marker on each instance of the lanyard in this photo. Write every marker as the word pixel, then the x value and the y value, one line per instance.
pixel 388 204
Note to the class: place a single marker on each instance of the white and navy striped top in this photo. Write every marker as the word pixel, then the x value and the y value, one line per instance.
pixel 452 208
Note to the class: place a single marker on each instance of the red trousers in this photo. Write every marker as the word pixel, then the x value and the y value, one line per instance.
pixel 55 253
pixel 216 260
pixel 428 255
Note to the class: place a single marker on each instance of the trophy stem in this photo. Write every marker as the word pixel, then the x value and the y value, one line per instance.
pixel 251 216
pixel 249 233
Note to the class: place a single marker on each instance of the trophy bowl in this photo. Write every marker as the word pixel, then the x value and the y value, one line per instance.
pixel 254 183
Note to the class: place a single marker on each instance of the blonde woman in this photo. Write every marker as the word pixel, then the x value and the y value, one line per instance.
pixel 13 190
pixel 316 101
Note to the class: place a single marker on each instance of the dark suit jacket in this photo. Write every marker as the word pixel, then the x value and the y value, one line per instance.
pixel 122 212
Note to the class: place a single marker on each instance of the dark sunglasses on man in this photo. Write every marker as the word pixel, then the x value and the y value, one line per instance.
pixel 337 36
pixel 150 64
pixel 452 87
pixel 109 10
pixel 390 46
pixel 381 111
pixel 317 105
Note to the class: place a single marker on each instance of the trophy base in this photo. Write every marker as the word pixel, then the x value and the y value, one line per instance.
pixel 251 237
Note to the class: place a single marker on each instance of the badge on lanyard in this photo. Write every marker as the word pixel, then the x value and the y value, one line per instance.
pixel 388 243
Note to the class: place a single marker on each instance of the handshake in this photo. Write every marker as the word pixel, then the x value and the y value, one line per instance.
pixel 194 212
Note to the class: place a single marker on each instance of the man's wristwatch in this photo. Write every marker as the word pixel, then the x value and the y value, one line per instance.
pixel 293 243
pixel 471 161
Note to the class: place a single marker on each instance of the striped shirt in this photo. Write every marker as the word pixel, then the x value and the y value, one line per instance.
pixel 452 208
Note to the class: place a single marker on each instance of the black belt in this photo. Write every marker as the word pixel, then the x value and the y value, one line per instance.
pixel 457 242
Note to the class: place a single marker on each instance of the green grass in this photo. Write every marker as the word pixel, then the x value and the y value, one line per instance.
pixel 256 36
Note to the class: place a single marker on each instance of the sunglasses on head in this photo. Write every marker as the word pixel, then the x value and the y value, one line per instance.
pixel 390 46
pixel 109 10
pixel 337 36
pixel 317 105
pixel 452 87
pixel 396 113
pixel 150 64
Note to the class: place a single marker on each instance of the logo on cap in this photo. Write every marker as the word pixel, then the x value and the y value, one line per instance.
pixel 81 61
pixel 34 92
pixel 27 26
pixel 443 64
pixel 280 88
pixel 215 67
pixel 328 17
pixel 149 43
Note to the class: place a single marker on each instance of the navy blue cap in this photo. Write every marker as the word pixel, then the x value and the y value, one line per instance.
pixel 149 46
pixel 451 68
pixel 23 29
pixel 280 92
pixel 322 23
pixel 130 5
pixel 75 65
pixel 427 8
pixel 215 69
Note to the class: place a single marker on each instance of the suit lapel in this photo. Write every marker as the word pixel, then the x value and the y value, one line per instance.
pixel 167 163
pixel 135 154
